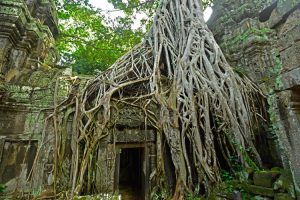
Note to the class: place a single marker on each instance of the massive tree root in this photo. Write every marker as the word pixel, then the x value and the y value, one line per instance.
pixel 206 110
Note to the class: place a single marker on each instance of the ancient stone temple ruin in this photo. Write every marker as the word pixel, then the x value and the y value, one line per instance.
pixel 135 145
pixel 259 38
pixel 27 48
pixel 28 30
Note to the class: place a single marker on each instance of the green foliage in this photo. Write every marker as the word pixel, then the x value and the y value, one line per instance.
pixel 263 33
pixel 247 153
pixel 194 195
pixel 147 6
pixel 191 196
pixel 226 176
pixel 89 41
pixel 277 69
pixel 161 195
pixel 160 191
pixel 2 188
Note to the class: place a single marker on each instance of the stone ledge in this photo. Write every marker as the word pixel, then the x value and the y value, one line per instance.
pixel 268 192
pixel 283 196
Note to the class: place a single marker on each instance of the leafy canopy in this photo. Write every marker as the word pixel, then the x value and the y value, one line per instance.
pixel 90 41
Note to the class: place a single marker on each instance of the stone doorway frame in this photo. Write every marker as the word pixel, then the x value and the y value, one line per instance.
pixel 146 165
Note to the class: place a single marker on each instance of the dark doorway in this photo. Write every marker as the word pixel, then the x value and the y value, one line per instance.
pixel 131 176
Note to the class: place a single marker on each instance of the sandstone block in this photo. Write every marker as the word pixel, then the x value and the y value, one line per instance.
pixel 284 183
pixel 291 57
pixel 258 190
pixel 282 196
pixel 291 78
pixel 288 38
pixel 265 179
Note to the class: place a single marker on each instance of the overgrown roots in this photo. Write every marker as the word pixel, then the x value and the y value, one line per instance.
pixel 207 113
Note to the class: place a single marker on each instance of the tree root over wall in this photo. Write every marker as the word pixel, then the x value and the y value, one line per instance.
pixel 207 112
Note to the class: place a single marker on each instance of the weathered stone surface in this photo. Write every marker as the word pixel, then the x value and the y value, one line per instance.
pixel 279 13
pixel 228 13
pixel 259 38
pixel 237 195
pixel 12 122
pixel 291 57
pixel 283 196
pixel 25 42
pixel 106 164
pixel 285 184
pixel 258 197
pixel 291 79
pixel 17 160
pixel 130 116
pixel 288 38
pixel 135 135
pixel 265 178
pixel 270 56
pixel 258 190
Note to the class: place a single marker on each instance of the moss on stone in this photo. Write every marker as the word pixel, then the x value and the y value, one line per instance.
pixel 268 192
pixel 265 178
pixel 98 197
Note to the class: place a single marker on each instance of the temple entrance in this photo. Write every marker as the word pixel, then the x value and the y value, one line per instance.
pixel 131 173
pixel 135 160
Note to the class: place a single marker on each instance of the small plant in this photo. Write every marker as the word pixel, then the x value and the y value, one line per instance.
pixel 159 193
pixel 194 195
pixel 2 188
pixel 226 176
pixel 160 196
pixel 236 163
pixel 37 192
pixel 191 196
pixel 229 181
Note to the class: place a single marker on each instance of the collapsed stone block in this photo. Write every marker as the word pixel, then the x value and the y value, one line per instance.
pixel 258 190
pixel 284 184
pixel 282 196
pixel 265 178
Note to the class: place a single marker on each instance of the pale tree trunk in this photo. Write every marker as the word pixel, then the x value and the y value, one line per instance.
pixel 202 102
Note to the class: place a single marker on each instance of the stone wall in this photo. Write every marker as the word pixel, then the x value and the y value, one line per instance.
pixel 24 135
pixel 261 39
pixel 126 130
pixel 28 84
pixel 27 33
pixel 27 51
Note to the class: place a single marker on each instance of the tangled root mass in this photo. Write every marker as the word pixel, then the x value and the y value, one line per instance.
pixel 207 113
